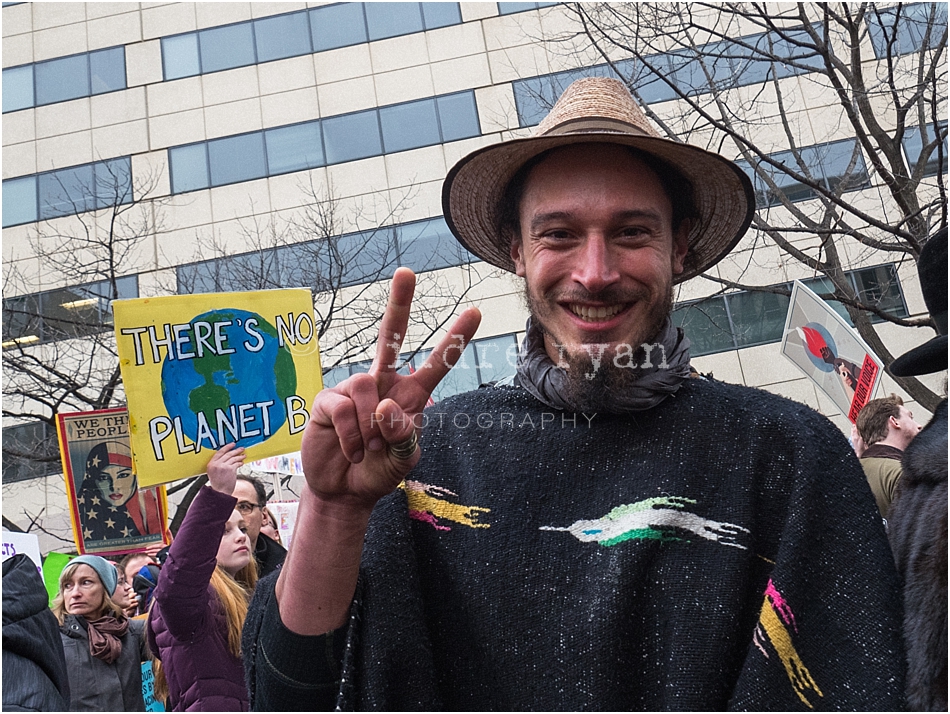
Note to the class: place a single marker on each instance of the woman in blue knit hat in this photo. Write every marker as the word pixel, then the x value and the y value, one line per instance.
pixel 104 649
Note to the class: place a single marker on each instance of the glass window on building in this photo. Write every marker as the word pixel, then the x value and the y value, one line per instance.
pixel 391 19
pixel 880 286
pixel 706 324
pixel 335 375
pixel 73 312
pixel 430 245
pixel 903 28
pixel 62 79
pixel 535 96
pixel 282 36
pixel 226 47
pixel 440 14
pixel 337 26
pixel 842 165
pixel 107 70
pixel 29 451
pixel 22 320
pixel 237 158
pixel 188 166
pixel 689 69
pixel 67 191
pixel 367 256
pixel 113 182
pixel 509 8
pixel 913 145
pixel 352 136
pixel 19 201
pixel 757 317
pixel 409 126
pixel 17 88
pixel 463 377
pixel 294 148
pixel 497 358
pixel 63 313
pixel 458 116
pixel 180 56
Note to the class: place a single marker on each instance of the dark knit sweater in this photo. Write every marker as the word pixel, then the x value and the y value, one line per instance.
pixel 718 551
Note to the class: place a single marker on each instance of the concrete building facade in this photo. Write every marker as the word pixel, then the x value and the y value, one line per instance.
pixel 219 121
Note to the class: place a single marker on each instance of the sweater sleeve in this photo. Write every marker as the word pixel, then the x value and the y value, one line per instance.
pixel 828 635
pixel 182 587
pixel 286 671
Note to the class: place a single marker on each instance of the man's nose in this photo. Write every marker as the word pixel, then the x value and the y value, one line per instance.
pixel 595 268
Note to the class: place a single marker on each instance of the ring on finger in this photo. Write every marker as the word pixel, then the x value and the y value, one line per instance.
pixel 405 449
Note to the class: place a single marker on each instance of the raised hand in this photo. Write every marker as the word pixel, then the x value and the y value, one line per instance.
pixel 356 447
pixel 223 467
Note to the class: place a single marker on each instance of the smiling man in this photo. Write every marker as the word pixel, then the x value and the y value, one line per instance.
pixel 602 532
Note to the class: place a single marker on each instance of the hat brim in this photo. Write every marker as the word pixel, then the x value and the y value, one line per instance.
pixel 723 194
pixel 928 358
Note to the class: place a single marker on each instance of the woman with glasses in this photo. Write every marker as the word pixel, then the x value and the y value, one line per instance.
pixel 200 602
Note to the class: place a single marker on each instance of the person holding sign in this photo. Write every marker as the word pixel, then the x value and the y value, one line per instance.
pixel 200 602
pixel 604 532
pixel 104 649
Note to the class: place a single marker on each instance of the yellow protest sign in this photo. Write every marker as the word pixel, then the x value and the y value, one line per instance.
pixel 204 370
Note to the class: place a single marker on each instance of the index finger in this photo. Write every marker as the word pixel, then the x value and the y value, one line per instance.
pixel 392 328
pixel 448 351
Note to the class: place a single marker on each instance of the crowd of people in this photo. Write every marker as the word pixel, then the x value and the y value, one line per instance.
pixel 661 541
pixel 180 608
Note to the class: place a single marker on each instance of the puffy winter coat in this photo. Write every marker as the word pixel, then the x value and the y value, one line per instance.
pixel 34 666
pixel 187 626
pixel 95 686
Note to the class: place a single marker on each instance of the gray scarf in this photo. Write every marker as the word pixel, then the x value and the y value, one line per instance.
pixel 652 384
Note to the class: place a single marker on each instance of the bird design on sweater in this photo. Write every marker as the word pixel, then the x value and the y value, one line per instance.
pixel 663 518
pixel 429 504
pixel 775 618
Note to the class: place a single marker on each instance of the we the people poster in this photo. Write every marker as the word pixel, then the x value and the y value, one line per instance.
pixel 111 512
pixel 828 350
pixel 203 370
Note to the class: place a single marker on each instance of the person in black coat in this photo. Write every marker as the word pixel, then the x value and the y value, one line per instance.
pixel 918 516
pixel 34 666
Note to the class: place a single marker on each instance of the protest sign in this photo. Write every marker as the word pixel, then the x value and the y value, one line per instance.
pixel 27 543
pixel 148 689
pixel 52 567
pixel 204 370
pixel 110 513
pixel 830 352
pixel 286 514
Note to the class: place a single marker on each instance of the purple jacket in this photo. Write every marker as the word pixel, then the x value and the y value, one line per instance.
pixel 187 626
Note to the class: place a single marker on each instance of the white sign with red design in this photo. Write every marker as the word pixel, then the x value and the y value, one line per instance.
pixel 830 352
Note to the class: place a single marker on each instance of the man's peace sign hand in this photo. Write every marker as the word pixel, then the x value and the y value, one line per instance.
pixel 348 446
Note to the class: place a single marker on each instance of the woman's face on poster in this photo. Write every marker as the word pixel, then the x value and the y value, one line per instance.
pixel 117 484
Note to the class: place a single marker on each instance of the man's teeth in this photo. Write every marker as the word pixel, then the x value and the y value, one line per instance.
pixel 595 314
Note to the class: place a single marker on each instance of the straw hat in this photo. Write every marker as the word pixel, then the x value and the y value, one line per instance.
pixel 601 110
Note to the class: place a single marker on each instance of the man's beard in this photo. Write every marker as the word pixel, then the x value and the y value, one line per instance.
pixel 598 373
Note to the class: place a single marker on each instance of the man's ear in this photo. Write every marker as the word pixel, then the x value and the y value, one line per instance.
pixel 681 245
pixel 515 250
